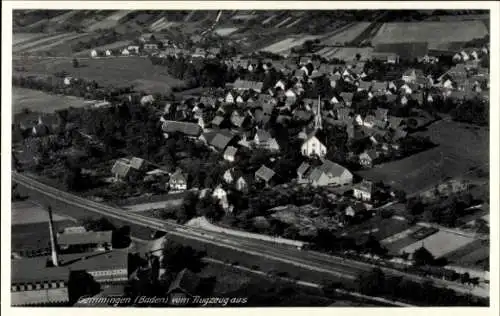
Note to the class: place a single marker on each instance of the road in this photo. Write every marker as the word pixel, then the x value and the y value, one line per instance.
pixel 329 266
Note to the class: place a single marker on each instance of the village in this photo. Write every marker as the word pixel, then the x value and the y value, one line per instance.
pixel 286 146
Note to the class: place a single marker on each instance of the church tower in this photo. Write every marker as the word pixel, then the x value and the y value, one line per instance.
pixel 318 124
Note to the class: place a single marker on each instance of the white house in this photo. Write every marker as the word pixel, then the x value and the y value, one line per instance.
pixel 229 98
pixel 125 52
pixel 363 190
pixel 93 53
pixel 67 81
pixel 108 52
pixel 221 195
pixel 280 84
pixel 312 146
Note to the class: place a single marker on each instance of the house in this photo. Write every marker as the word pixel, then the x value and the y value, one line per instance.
pixel 108 53
pixel 314 146
pixel 93 53
pixel 67 80
pixel 218 121
pixel 230 153
pixel 84 241
pixel 221 140
pixel 123 170
pixel 411 75
pixel 245 85
pixel 185 128
pixel 230 98
pixel 381 114
pixel 367 158
pixel 364 85
pixel 369 121
pixel 363 191
pixel 178 181
pixel 151 46
pixel 347 98
pixel 221 195
pixel 242 184
pixel 125 52
pixel 229 175
pixel 302 171
pixel 134 48
pixel 264 174
pixel 329 173
pixel 356 209
pixel 147 99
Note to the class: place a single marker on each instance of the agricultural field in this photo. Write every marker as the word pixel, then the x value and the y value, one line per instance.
pixel 117 71
pixel 346 53
pixel 19 38
pixel 288 43
pixel 110 21
pixel 462 149
pixel 38 101
pixel 431 32
pixel 41 39
pixel 347 35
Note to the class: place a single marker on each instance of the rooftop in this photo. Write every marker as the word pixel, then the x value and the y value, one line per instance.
pixel 35 269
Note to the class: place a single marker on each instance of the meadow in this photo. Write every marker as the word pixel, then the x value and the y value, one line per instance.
pixel 38 101
pixel 461 149
pixel 431 32
pixel 116 71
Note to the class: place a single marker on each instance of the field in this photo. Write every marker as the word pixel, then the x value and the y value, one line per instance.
pixel 41 40
pixel 440 244
pixel 110 21
pixel 39 101
pixel 461 149
pixel 347 35
pixel 346 53
pixel 288 43
pixel 115 71
pixel 18 38
pixel 432 32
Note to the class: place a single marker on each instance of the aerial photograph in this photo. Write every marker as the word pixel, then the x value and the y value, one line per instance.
pixel 257 158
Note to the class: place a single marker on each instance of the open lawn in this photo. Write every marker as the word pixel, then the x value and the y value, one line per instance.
pixel 110 21
pixel 462 148
pixel 116 71
pixel 432 32
pixel 38 101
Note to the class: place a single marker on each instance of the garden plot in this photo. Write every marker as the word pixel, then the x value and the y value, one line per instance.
pixel 36 41
pixel 431 32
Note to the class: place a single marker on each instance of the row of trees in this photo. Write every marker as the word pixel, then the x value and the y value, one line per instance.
pixel 376 283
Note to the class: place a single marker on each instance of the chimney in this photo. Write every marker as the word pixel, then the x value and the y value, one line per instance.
pixel 53 241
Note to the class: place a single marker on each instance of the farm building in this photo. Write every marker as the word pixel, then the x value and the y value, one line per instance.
pixel 329 173
pixel 186 128
pixel 440 244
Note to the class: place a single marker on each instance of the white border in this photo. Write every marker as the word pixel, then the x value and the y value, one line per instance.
pixel 7 7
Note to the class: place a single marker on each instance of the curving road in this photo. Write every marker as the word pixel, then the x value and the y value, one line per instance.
pixel 328 265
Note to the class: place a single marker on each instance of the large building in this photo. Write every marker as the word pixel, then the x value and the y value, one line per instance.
pixel 48 277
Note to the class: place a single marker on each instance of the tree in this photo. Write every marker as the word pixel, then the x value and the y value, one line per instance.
pixel 101 224
pixel 372 282
pixel 358 56
pixel 76 64
pixel 422 256
pixel 177 257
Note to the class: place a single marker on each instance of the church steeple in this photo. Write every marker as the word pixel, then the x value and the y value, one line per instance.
pixel 318 124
